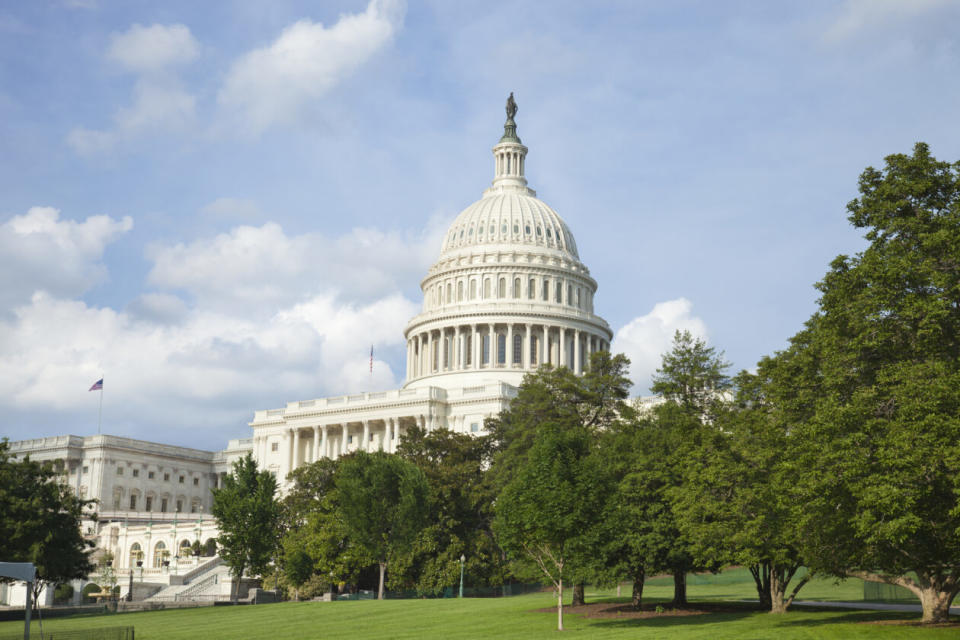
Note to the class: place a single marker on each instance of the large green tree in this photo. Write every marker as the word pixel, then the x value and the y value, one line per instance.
pixel 40 521
pixel 882 356
pixel 384 503
pixel 249 518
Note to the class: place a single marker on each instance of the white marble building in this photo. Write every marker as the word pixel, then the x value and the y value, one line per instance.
pixel 507 293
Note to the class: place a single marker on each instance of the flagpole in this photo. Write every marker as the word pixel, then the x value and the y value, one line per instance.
pixel 100 411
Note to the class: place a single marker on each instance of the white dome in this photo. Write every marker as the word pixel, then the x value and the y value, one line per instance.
pixel 509 218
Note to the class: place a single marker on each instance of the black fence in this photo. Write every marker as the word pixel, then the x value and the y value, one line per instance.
pixel 100 633
pixel 450 592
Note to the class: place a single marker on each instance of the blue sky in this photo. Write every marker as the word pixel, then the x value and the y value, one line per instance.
pixel 220 205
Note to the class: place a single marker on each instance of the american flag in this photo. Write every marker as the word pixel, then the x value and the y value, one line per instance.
pixel 371 359
pixel 96 385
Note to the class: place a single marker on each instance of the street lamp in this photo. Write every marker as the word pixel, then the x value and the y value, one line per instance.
pixel 463 559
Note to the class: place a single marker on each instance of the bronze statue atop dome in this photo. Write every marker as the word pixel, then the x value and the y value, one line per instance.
pixel 511 107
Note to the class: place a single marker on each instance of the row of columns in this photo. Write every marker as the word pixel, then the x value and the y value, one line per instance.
pixel 510 163
pixel 332 440
pixel 427 351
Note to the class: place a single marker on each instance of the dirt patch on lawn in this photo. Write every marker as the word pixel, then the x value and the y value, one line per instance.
pixel 625 611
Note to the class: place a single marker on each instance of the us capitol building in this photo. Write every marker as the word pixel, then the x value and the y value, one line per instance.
pixel 507 294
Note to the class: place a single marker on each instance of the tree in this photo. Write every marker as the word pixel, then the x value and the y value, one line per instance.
pixel 460 513
pixel 734 505
pixel 40 521
pixel 554 499
pixel 693 380
pixel 248 516
pixel 383 501
pixel 882 353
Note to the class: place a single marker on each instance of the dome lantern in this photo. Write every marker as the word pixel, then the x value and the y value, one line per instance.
pixel 510 158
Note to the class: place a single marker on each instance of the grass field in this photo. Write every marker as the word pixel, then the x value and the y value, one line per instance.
pixel 514 617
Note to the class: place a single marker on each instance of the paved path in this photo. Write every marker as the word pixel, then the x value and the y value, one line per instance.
pixel 877 606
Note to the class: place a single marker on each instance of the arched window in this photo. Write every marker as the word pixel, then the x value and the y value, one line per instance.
pixel 486 288
pixel 449 293
pixel 502 288
pixel 516 287
pixel 184 544
pixel 517 348
pixel 136 554
pixel 485 348
pixel 160 554
pixel 569 294
pixel 526 229
pixel 558 292
pixel 473 289
pixel 460 291
pixel 546 290
pixel 578 299
pixel 501 348
pixel 532 289
pixel 467 350
pixel 534 341
pixel 516 228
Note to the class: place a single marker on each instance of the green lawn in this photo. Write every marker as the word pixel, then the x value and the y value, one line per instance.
pixel 504 618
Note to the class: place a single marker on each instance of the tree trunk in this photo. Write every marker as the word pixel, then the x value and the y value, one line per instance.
pixel 383 572
pixel 936 592
pixel 578 589
pixel 637 598
pixel 936 604
pixel 235 588
pixel 680 589
pixel 761 578
pixel 780 578
pixel 560 604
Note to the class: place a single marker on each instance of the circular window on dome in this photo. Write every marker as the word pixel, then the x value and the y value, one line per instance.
pixel 539 230
pixel 527 229
pixel 516 228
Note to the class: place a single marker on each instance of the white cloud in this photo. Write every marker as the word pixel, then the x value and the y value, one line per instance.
pixel 646 338
pixel 39 251
pixel 232 208
pixel 150 49
pixel 264 268
pixel 273 84
pixel 159 103
pixel 858 17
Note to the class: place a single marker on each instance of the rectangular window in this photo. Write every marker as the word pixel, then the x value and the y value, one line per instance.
pixel 546 290
pixel 468 350
pixel 485 356
pixel 133 503
pixel 569 294
pixel 86 469
pixel 193 508
pixel 149 504
pixel 532 289
pixel 474 427
pixel 517 349
pixel 181 479
pixel 150 475
pixel 350 439
pixel 179 506
pixel 196 482
pixel 163 505
pixel 501 349
pixel 166 477
pixel 275 446
pixel 558 292
pixel 533 350
pixel 119 471
pixel 371 437
pixel 136 473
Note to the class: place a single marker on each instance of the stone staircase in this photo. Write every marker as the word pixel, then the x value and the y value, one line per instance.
pixel 203 581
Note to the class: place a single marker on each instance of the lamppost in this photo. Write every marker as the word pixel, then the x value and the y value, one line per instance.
pixel 463 559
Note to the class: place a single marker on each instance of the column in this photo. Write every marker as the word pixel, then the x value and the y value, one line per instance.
pixel 343 438
pixel 429 352
pixel 366 435
pixel 316 443
pixel 576 351
pixel 442 356
pixel 563 346
pixel 476 346
pixel 409 342
pixel 525 347
pixel 296 449
pixel 455 364
pixel 545 346
pixel 509 345
pixel 491 351
pixel 324 443
pixel 394 434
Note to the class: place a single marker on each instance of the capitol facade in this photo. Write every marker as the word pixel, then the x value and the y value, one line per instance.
pixel 507 294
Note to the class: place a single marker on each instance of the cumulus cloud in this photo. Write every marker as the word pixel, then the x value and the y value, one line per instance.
pixel 273 84
pixel 151 49
pixel 646 338
pixel 159 103
pixel 264 268
pixel 39 251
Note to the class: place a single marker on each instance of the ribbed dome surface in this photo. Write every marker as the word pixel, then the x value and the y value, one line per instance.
pixel 509 218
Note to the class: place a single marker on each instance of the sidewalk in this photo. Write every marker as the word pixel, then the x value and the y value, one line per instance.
pixel 875 606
